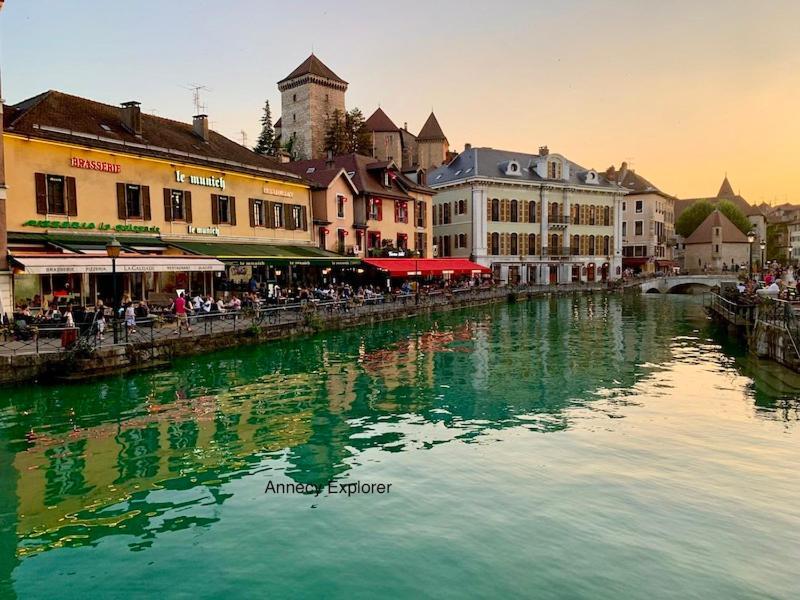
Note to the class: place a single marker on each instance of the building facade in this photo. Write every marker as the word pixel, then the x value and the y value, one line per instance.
pixel 648 222
pixel 308 95
pixel 389 213
pixel 717 245
pixel 80 172
pixel 531 218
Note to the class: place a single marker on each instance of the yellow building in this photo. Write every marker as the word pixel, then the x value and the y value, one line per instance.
pixel 79 172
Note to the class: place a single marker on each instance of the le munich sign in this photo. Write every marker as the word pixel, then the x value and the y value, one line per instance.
pixel 210 181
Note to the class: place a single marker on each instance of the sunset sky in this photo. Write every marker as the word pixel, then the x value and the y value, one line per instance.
pixel 684 91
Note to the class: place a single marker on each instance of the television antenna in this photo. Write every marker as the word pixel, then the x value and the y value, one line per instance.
pixel 196 88
pixel 243 135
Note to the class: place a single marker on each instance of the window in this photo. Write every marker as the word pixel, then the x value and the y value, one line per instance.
pixel 532 212
pixel 420 214
pixel 554 245
pixel 637 228
pixel 575 249
pixel 294 97
pixel 592 215
pixel 531 243
pixel 495 209
pixel 374 209
pixel 461 240
pixel 296 216
pixel 223 209
pixel 638 206
pixel 294 118
pixel 514 213
pixel 340 206
pixel 624 228
pixel 514 244
pixel 495 245
pixel 178 206
pixel 259 213
pixel 591 245
pixel 606 215
pixel 624 206
pixel 447 217
pixel 277 215
pixel 461 207
pixel 56 198
pixel 401 211
pixel 133 201
pixel 553 170
pixel 606 245
pixel 402 242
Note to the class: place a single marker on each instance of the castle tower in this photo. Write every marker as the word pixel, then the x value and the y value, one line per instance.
pixel 432 144
pixel 308 95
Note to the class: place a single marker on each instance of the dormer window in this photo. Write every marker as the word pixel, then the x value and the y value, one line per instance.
pixel 511 168
pixel 591 177
pixel 553 169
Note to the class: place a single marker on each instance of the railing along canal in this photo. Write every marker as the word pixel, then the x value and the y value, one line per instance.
pixel 25 338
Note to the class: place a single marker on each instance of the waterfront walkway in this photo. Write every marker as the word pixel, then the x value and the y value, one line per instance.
pixel 149 331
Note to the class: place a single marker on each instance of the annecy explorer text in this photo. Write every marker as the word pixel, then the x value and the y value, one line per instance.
pixel 332 488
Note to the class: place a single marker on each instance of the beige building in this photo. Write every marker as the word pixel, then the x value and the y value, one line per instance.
pixel 648 223
pixel 308 95
pixel 531 218
pixel 388 215
pixel 717 245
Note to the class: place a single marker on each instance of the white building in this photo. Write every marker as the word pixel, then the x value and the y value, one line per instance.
pixel 531 218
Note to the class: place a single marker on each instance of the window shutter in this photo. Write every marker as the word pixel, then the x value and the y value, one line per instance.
pixel 187 206
pixel 423 207
pixel 396 211
pixel 289 217
pixel 252 210
pixel 304 217
pixel 380 211
pixel 488 243
pixel 41 193
pixel 122 212
pixel 167 205
pixel 71 197
pixel 488 209
pixel 146 213
pixel 232 209
pixel 270 220
pixel 215 209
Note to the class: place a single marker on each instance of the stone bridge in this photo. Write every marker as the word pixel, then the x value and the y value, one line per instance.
pixel 682 284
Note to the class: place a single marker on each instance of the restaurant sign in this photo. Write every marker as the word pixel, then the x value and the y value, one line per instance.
pixel 204 230
pixel 90 226
pixel 94 165
pixel 206 181
pixel 271 191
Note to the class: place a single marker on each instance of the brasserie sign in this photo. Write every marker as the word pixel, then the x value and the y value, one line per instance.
pixel 90 226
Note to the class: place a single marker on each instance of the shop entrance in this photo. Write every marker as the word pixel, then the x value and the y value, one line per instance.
pixel 590 275
pixel 553 274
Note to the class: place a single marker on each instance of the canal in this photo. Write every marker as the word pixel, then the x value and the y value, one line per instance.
pixel 581 447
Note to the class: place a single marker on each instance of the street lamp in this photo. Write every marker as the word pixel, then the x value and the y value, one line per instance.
pixel 113 249
pixel 751 237
pixel 763 245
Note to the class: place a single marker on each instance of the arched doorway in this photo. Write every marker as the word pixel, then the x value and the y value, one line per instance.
pixel 553 273
pixel 604 272
pixel 590 272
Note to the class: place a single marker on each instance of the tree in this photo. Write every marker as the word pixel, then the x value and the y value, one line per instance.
pixel 736 216
pixel 267 142
pixel 691 218
pixel 359 139
pixel 294 146
pixel 335 134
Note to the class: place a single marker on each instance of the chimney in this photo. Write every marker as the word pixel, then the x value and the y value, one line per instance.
pixel 132 117
pixel 329 164
pixel 544 151
pixel 405 125
pixel 200 126
pixel 467 146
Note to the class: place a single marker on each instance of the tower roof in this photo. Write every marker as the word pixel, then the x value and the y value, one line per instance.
pixel 313 66
pixel 380 121
pixel 431 130
pixel 704 232
pixel 725 190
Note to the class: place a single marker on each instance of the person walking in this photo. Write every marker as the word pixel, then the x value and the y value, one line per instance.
pixel 100 320
pixel 130 318
pixel 179 307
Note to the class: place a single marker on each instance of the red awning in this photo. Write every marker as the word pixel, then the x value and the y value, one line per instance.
pixel 631 261
pixel 402 267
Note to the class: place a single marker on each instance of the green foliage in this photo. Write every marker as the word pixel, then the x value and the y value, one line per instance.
pixel 694 215
pixel 346 133
pixel 267 142
pixel 691 218
pixel 737 217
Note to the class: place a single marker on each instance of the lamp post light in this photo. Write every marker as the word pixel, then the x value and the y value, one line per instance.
pixel 751 237
pixel 113 249
pixel 763 246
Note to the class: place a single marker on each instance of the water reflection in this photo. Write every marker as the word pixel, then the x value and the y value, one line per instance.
pixel 152 453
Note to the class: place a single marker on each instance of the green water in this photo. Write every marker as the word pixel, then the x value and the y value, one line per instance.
pixel 586 447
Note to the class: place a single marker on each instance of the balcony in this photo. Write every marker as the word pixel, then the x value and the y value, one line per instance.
pixel 556 252
pixel 558 222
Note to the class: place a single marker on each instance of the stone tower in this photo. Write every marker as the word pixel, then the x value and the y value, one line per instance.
pixel 432 144
pixel 308 95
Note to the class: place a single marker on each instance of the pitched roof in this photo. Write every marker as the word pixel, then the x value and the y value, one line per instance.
pixel 633 182
pixel 380 121
pixel 278 123
pixel 703 233
pixel 62 117
pixel 725 190
pixel 431 130
pixel 313 66
pixel 490 163
pixel 363 172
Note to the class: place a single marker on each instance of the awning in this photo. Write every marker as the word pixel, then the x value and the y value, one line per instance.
pixel 265 254
pixel 402 267
pixel 44 264
pixel 78 242
pixel 666 263
pixel 634 261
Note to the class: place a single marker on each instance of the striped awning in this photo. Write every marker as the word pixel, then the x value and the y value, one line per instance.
pixel 44 264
